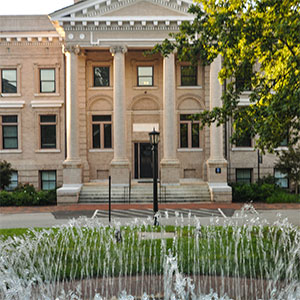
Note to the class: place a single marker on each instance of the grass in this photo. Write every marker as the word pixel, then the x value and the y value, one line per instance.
pixel 76 253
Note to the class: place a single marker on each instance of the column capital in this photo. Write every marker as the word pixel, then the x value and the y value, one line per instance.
pixel 118 49
pixel 75 49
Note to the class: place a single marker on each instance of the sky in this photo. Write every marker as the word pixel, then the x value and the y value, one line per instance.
pixel 32 7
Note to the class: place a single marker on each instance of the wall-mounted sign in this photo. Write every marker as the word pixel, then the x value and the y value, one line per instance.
pixel 218 170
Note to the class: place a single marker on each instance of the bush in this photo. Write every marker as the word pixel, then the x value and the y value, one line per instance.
pixel 26 195
pixel 253 192
pixel 283 197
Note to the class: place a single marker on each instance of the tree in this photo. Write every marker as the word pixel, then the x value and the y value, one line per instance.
pixel 258 40
pixel 5 174
pixel 289 164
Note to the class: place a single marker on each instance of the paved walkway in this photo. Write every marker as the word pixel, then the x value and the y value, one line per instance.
pixel 47 216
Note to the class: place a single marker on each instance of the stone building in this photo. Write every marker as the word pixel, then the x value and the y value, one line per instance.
pixel 79 98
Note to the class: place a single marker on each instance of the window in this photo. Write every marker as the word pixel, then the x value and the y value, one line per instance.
pixel 145 76
pixel 101 76
pixel 245 141
pixel 188 75
pixel 47 80
pixel 244 176
pixel 281 179
pixel 13 181
pixel 284 142
pixel 101 127
pixel 48 180
pixel 48 131
pixel 9 81
pixel 189 131
pixel 9 132
pixel 243 77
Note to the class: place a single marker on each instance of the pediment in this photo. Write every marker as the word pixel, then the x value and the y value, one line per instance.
pixel 122 10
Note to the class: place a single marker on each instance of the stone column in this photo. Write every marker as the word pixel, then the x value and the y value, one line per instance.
pixel 169 164
pixel 217 164
pixel 72 172
pixel 120 164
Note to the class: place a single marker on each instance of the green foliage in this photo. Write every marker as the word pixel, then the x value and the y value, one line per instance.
pixel 289 163
pixel 262 34
pixel 283 197
pixel 5 173
pixel 26 195
pixel 254 192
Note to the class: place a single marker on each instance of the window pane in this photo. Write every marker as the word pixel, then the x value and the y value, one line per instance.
pixel 9 81
pixel 96 136
pixel 48 180
pixel 144 81
pixel 48 136
pixel 243 77
pixel 145 71
pixel 48 74
pixel 195 135
pixel 13 181
pixel 101 118
pixel 243 176
pixel 107 135
pixel 183 135
pixel 48 118
pixel 246 141
pixel 9 119
pixel 47 87
pixel 101 76
pixel 188 76
pixel 10 137
pixel 281 179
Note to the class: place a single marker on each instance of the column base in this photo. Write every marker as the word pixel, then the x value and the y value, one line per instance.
pixel 119 171
pixel 72 172
pixel 217 180
pixel 169 169
pixel 68 193
pixel 220 192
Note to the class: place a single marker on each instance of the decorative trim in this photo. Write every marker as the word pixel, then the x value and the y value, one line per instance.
pixel 46 103
pixel 242 149
pixel 12 104
pixel 13 151
pixel 189 149
pixel 48 151
pixel 101 150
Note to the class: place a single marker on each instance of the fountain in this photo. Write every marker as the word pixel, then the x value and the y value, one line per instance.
pixel 86 260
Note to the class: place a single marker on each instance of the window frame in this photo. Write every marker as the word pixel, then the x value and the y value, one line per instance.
pixel 189 124
pixel 244 169
pixel 142 76
pixel 42 81
pixel 108 79
pixel 16 81
pixel 182 67
pixel 101 125
pixel 48 181
pixel 49 123
pixel 9 124
pixel 283 177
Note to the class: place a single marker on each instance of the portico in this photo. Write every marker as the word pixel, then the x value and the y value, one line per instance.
pixel 116 95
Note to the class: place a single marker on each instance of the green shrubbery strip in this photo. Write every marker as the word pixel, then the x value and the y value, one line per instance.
pixel 26 195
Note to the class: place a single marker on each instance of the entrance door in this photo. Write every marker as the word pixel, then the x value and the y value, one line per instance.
pixel 142 160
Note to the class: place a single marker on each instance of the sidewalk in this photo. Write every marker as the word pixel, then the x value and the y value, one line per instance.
pixel 48 216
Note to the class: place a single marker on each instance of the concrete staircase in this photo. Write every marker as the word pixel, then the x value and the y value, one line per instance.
pixel 143 193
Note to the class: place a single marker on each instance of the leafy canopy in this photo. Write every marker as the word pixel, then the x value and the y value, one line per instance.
pixel 258 40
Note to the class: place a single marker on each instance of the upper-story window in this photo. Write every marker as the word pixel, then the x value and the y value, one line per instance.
pixel 48 131
pixel 9 81
pixel 189 132
pixel 101 76
pixel 47 81
pixel 145 76
pixel 243 77
pixel 9 132
pixel 101 128
pixel 188 75
pixel 245 141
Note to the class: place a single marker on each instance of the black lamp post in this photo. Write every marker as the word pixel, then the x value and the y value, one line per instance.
pixel 154 140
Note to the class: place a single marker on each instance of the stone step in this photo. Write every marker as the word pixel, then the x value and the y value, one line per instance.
pixel 144 193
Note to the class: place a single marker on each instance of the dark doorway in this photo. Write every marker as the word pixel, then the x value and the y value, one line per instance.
pixel 142 160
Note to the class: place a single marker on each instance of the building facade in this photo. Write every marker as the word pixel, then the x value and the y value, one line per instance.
pixel 79 98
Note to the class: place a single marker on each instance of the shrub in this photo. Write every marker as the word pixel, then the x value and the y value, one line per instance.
pixel 26 195
pixel 283 197
pixel 5 174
